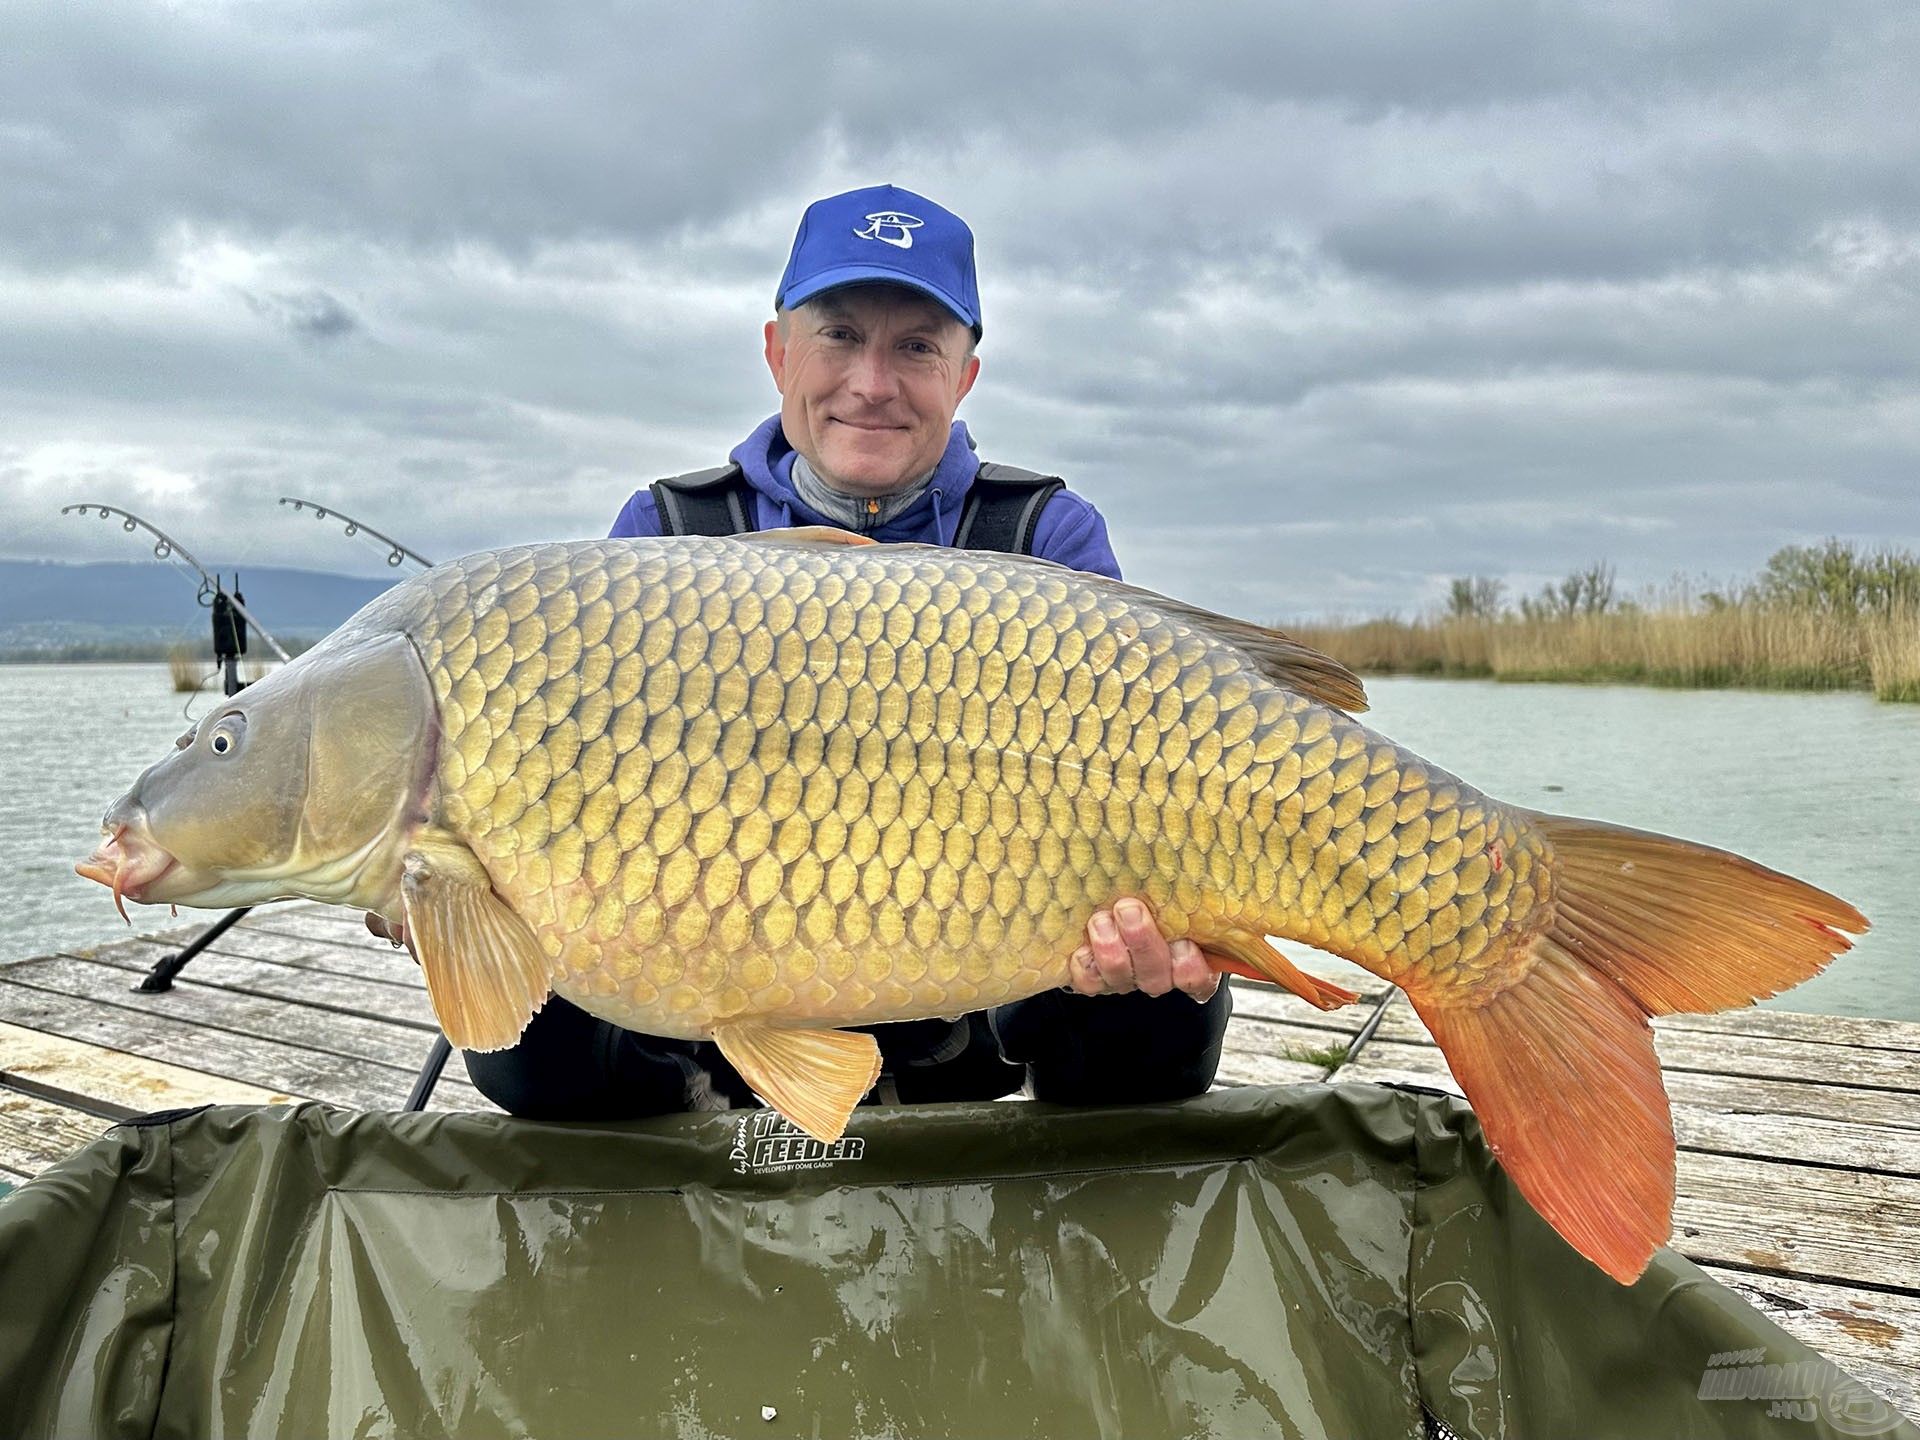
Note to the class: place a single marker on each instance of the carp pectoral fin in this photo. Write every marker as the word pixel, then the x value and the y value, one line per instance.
pixel 810 535
pixel 813 1077
pixel 486 973
pixel 1252 957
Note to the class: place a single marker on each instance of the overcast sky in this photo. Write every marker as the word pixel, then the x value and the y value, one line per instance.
pixel 1321 305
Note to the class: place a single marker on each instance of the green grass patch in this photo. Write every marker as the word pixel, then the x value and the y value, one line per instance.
pixel 1325 1056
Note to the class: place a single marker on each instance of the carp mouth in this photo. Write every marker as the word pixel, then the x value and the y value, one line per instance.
pixel 128 863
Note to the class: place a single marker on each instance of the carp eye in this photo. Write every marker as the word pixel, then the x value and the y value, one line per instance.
pixel 225 738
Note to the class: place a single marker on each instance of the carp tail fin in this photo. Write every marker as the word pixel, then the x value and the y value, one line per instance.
pixel 1560 1069
pixel 1560 1065
pixel 1681 926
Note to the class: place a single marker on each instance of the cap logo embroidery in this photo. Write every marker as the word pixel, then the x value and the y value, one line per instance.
pixel 890 227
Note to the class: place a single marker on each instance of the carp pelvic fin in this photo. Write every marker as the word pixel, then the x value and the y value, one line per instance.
pixel 813 1077
pixel 1251 956
pixel 486 973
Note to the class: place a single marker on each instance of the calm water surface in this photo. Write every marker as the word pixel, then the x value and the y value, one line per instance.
pixel 1826 787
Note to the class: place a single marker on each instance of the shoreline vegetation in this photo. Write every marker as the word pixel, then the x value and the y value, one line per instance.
pixel 171 653
pixel 1832 616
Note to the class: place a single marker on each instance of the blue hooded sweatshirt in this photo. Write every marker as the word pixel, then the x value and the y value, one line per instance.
pixel 1070 531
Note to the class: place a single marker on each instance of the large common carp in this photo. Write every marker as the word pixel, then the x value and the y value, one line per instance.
pixel 758 789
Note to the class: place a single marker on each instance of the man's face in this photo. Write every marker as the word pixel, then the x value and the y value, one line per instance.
pixel 869 378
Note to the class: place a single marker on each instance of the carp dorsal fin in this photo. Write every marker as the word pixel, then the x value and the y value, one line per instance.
pixel 813 1077
pixel 486 973
pixel 1278 656
pixel 807 535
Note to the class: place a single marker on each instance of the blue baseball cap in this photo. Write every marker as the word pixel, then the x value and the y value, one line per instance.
pixel 886 235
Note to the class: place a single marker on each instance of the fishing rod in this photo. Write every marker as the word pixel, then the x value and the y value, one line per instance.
pixel 442 1049
pixel 165 547
pixel 396 552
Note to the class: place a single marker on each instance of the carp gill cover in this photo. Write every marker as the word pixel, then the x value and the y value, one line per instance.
pixel 759 789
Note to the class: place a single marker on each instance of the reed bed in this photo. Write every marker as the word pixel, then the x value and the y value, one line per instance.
pixel 1679 640
pixel 1893 654
pixel 191 671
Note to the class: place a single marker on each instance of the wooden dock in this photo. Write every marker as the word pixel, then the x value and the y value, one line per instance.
pixel 1799 1174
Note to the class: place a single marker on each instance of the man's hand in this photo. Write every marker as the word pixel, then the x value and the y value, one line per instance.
pixel 1125 951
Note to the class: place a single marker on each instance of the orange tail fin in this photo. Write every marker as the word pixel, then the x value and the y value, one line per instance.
pixel 1560 1065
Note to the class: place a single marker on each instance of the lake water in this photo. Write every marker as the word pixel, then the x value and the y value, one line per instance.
pixel 1826 787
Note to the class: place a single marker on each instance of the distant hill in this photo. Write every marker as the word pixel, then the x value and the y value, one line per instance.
pixel 123 610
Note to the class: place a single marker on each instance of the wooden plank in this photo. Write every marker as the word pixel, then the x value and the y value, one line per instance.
pixel 369 959
pixel 1266 1002
pixel 1871 1335
pixel 36 1132
pixel 312 922
pixel 1810 1139
pixel 221 1011
pixel 1784 1119
pixel 261 1062
pixel 316 989
pixel 1750 1022
pixel 1860 1030
pixel 1762 1057
pixel 1758 1057
pixel 1265 1052
pixel 1850 1226
pixel 1255 1068
pixel 116 1082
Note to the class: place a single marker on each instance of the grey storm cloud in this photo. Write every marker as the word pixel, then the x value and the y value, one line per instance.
pixel 1320 306
pixel 311 314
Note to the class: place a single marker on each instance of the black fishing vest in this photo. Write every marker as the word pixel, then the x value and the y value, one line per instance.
pixel 1002 509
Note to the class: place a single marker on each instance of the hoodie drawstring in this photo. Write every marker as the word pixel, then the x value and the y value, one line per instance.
pixel 939 535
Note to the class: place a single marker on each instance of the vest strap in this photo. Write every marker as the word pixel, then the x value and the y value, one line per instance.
pixel 1002 509
pixel 705 502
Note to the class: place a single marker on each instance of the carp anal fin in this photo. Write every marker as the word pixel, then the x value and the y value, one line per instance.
pixel 486 973
pixel 1252 957
pixel 813 1077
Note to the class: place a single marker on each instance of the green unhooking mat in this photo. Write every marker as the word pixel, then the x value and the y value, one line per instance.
pixel 1308 1262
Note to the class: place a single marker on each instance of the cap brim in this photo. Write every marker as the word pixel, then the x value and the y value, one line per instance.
pixel 843 275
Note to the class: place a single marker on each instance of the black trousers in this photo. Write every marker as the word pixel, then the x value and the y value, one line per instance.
pixel 1072 1049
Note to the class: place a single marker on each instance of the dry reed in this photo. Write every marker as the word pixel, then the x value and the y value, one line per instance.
pixel 1893 653
pixel 191 672
pixel 1747 645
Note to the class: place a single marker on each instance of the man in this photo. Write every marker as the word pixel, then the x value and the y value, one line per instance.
pixel 872 350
